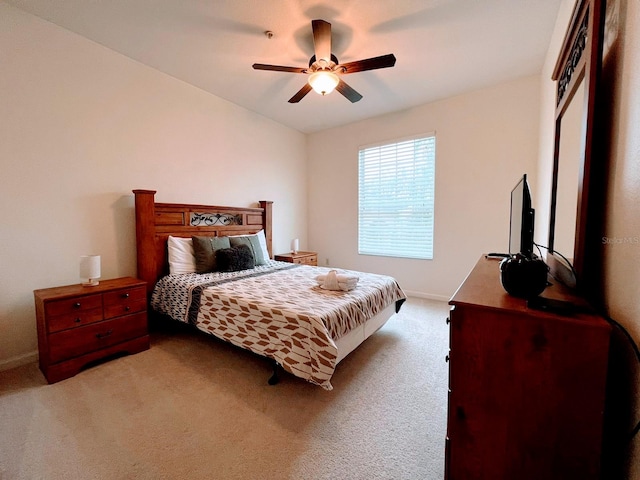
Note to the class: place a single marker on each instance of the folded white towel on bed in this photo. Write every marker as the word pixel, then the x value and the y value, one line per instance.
pixel 335 281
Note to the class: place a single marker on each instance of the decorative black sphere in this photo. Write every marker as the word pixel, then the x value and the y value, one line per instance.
pixel 522 276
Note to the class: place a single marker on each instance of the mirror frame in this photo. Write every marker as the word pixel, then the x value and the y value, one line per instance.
pixel 580 59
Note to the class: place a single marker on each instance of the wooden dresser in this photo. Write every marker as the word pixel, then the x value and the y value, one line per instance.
pixel 526 387
pixel 78 325
pixel 304 258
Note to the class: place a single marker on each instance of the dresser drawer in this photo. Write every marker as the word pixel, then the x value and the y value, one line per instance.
pixel 73 312
pixel 78 341
pixel 125 301
pixel 81 317
pixel 306 260
pixel 72 306
pixel 310 260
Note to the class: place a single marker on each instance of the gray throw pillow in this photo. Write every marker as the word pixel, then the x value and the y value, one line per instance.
pixel 254 244
pixel 204 249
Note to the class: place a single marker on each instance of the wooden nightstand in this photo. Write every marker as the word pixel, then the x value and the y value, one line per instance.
pixel 78 325
pixel 304 258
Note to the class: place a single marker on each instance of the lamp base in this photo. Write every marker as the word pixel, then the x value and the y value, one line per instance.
pixel 92 282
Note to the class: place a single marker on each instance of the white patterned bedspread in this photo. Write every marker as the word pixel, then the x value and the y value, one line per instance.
pixel 278 311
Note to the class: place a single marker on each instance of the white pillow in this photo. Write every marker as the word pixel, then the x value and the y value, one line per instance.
pixel 263 243
pixel 181 256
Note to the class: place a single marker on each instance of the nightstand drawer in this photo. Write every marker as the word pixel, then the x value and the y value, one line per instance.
pixel 81 340
pixel 308 260
pixel 75 305
pixel 301 258
pixel 78 318
pixel 125 301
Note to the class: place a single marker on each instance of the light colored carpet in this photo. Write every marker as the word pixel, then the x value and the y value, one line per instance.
pixel 194 407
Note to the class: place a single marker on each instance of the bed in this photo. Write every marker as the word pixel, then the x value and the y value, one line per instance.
pixel 274 309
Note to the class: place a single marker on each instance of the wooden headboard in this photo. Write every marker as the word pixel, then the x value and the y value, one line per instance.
pixel 156 221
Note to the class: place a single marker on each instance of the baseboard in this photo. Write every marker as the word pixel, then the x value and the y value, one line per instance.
pixel 428 296
pixel 18 360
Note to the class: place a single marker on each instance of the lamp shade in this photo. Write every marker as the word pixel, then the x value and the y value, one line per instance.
pixel 90 269
pixel 323 81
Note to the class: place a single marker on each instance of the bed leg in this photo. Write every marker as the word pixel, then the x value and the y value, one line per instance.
pixel 275 377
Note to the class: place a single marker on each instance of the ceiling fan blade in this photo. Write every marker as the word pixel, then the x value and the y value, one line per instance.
pixel 348 92
pixel 322 39
pixel 279 68
pixel 301 93
pixel 383 61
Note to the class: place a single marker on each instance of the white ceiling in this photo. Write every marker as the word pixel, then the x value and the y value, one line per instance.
pixel 443 47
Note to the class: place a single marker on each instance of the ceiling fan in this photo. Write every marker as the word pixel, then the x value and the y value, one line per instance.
pixel 324 69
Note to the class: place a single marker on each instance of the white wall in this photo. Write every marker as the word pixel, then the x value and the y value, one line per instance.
pixel 621 254
pixel 80 127
pixel 485 141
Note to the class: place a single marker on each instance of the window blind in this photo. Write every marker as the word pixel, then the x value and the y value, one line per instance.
pixel 396 189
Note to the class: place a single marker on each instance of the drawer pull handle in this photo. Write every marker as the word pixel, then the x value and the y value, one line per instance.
pixel 125 295
pixel 104 335
pixel 448 321
pixel 78 320
pixel 127 308
pixel 76 305
pixel 446 359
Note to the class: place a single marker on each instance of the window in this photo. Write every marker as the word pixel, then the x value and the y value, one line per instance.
pixel 396 198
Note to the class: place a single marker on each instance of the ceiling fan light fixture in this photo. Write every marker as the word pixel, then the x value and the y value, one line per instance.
pixel 324 67
pixel 323 81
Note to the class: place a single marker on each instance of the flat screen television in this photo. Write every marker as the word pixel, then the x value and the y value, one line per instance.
pixel 522 220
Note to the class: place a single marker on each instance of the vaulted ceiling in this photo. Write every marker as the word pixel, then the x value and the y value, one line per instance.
pixel 443 47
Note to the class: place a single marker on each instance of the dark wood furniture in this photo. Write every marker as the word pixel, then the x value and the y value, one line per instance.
pixel 155 222
pixel 78 325
pixel 303 258
pixel 526 387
